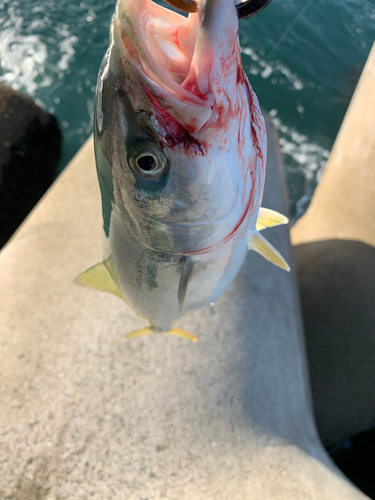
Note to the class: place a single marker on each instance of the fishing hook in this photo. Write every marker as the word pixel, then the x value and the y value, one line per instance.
pixel 245 8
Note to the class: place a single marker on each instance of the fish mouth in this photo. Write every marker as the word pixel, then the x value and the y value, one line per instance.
pixel 184 62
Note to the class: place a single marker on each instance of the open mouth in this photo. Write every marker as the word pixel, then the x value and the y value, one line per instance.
pixel 181 59
pixel 169 40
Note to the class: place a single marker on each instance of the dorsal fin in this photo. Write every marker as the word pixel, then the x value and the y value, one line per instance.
pixel 100 277
pixel 260 245
pixel 269 218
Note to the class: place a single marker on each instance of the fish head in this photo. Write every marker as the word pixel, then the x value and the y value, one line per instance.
pixel 180 140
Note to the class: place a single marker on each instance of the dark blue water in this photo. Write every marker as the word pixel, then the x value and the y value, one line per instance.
pixel 303 58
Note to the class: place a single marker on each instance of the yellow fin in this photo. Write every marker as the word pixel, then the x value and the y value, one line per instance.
pixel 99 278
pixel 140 332
pixel 173 331
pixel 266 250
pixel 182 333
pixel 269 218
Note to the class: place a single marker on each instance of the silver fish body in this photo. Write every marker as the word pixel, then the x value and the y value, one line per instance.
pixel 180 146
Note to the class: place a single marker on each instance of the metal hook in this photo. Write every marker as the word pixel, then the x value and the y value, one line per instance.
pixel 184 5
pixel 245 8
pixel 248 8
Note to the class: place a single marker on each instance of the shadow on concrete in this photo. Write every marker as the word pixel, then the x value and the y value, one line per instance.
pixel 30 144
pixel 356 458
pixel 337 282
pixel 266 384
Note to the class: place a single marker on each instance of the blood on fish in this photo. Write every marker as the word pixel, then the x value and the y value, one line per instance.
pixel 249 206
pixel 175 133
pixel 254 118
pixel 240 71
pixel 239 75
pixel 226 109
pixel 255 187
pixel 227 62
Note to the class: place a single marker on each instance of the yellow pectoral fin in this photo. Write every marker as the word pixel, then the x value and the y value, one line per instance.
pixel 269 218
pixel 99 278
pixel 173 331
pixel 266 250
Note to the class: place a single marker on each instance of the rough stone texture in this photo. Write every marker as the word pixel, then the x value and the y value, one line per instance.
pixel 88 414
pixel 30 142
pixel 335 252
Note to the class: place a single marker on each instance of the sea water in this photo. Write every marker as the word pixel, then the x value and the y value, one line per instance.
pixel 303 59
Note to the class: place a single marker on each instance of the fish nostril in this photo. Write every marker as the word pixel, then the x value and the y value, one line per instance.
pixel 146 163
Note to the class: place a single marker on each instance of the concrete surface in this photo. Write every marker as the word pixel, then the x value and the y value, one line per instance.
pixel 335 253
pixel 87 414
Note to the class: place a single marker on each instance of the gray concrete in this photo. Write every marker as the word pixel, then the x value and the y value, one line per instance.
pixel 335 252
pixel 87 414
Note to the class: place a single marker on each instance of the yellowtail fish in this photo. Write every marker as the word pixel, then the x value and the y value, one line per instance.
pixel 180 147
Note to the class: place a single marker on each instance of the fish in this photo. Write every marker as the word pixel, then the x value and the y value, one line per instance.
pixel 180 148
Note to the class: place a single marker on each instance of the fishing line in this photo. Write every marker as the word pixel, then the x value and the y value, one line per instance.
pixel 289 28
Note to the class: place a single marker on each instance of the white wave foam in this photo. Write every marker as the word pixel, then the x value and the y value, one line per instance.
pixel 266 69
pixel 302 155
pixel 23 57
pixel 26 63
pixel 67 52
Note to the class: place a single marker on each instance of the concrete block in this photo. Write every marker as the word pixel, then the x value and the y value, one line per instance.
pixel 334 244
pixel 88 414
pixel 30 140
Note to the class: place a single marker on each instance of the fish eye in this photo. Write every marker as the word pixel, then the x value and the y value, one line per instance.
pixel 148 161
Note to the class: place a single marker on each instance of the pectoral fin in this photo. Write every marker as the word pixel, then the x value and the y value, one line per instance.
pixel 269 218
pixel 187 269
pixel 99 278
pixel 173 331
pixel 266 250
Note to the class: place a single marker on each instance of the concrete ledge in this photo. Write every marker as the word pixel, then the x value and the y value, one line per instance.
pixel 335 252
pixel 87 414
